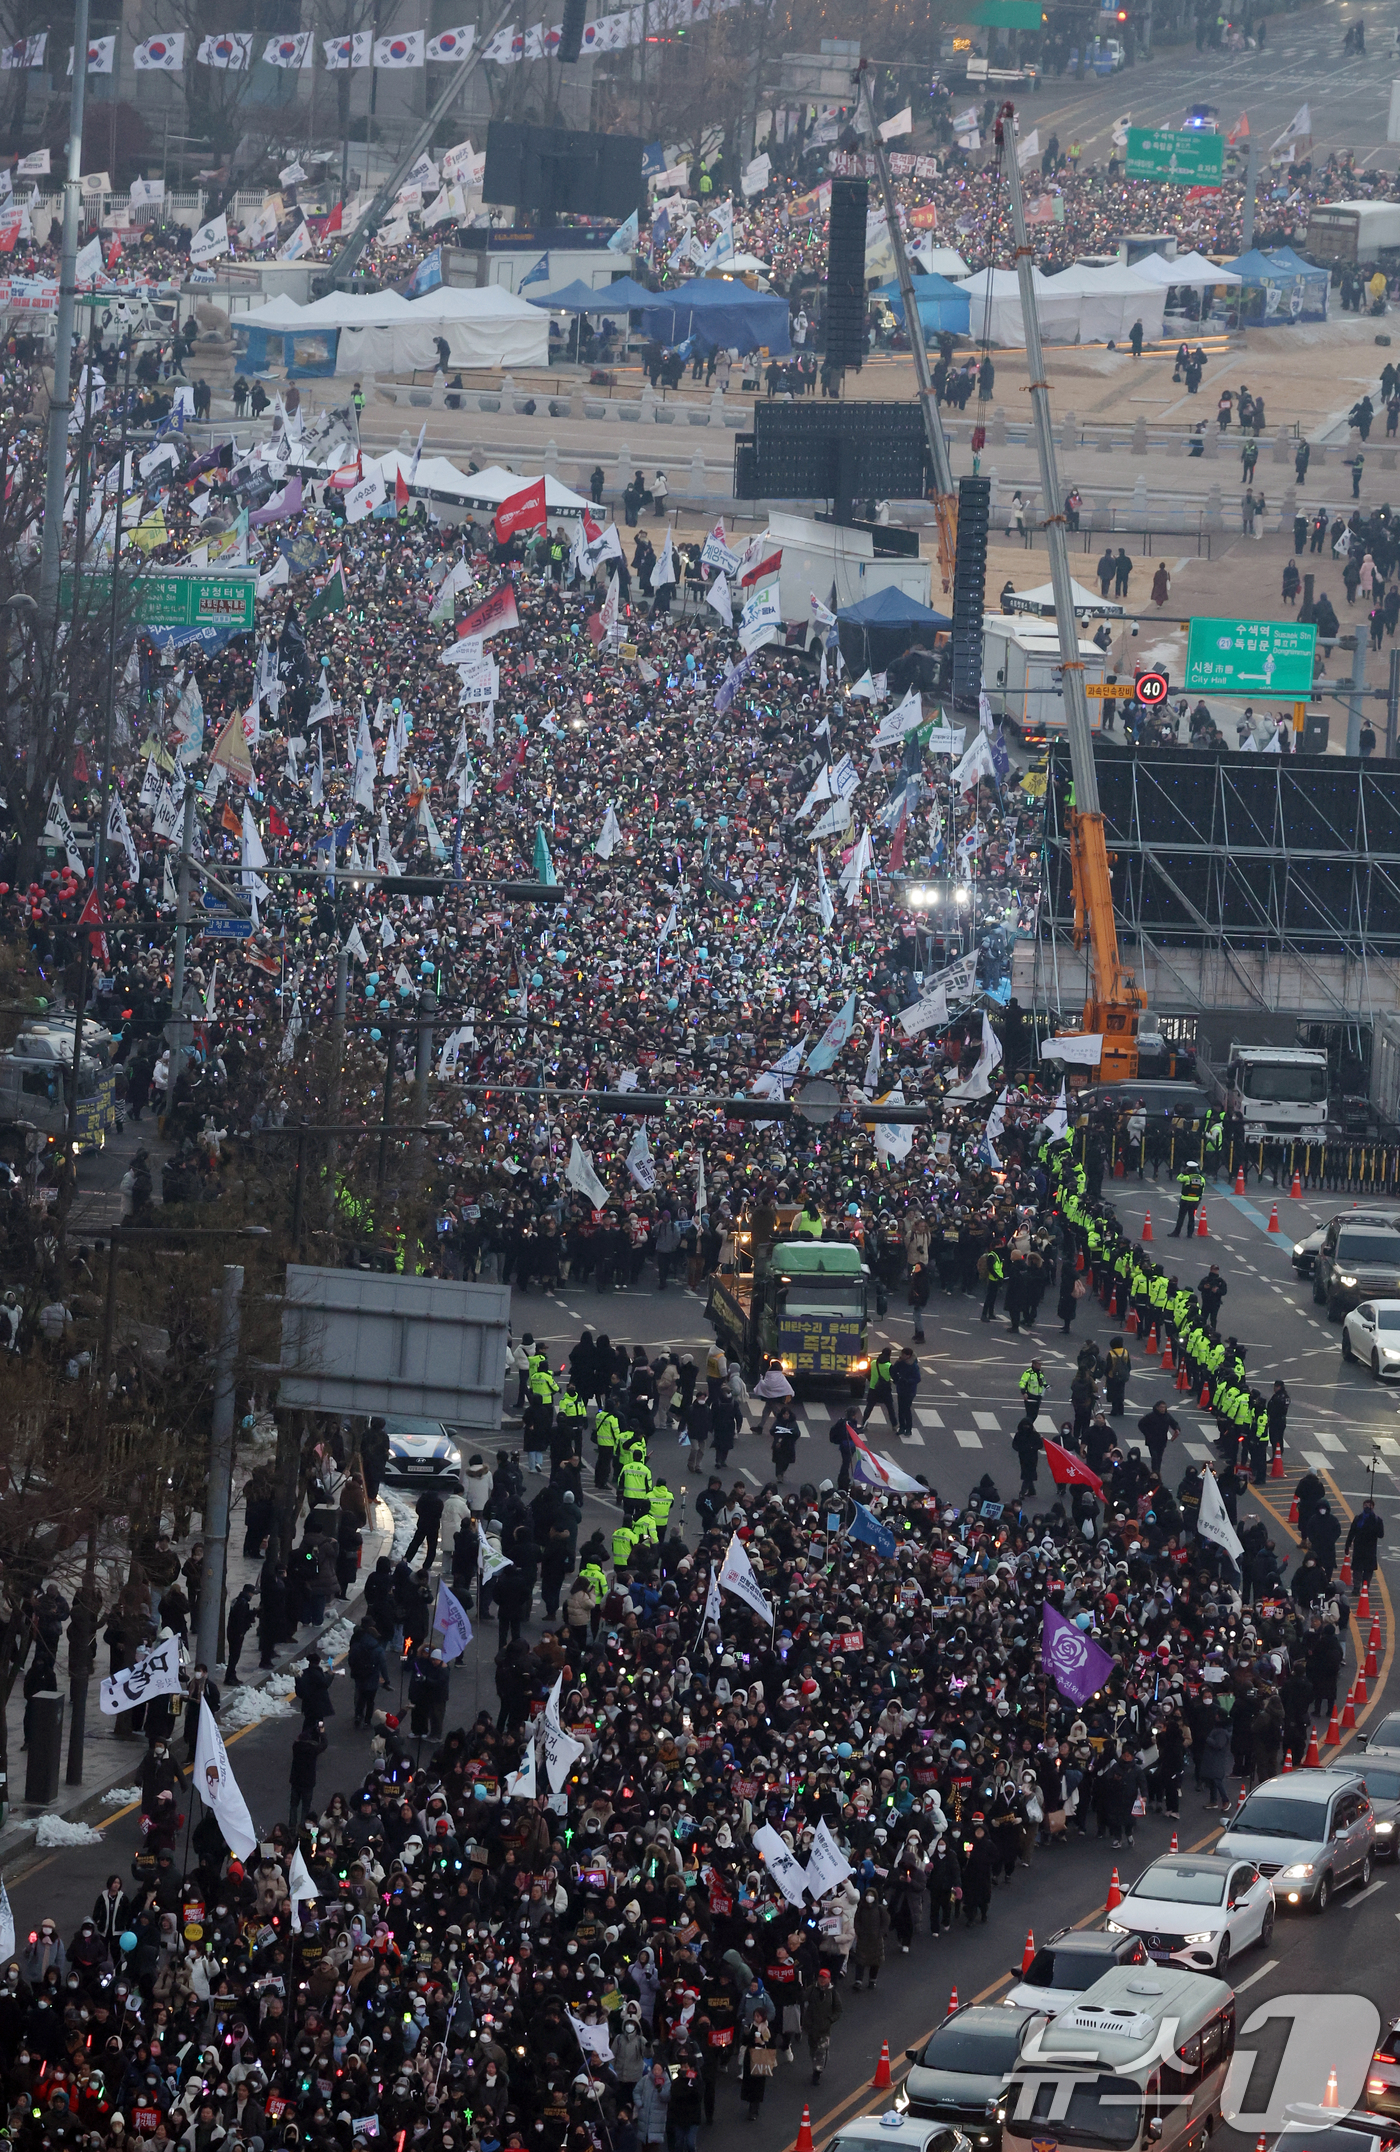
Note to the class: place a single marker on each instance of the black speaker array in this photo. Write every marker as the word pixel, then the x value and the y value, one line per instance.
pixel 571 29
pixel 819 451
pixel 845 272
pixel 560 171
pixel 970 589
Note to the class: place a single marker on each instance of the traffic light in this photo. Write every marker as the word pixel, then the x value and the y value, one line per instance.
pixel 571 29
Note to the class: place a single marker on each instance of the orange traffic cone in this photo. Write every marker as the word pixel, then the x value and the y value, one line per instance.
pixel 1166 1352
pixel 1174 1848
pixel 952 2002
pixel 1147 1227
pixel 1151 1345
pixel 804 2131
pixel 1079 1260
pixel 1358 1689
pixel 1293 1510
pixel 1276 1468
pixel 1335 1730
pixel 1329 2097
pixel 1201 1222
pixel 1239 1180
pixel 1131 1325
pixel 1346 1574
pixel 1363 1604
pixel 882 2080
pixel 1274 1226
pixel 1120 1168
pixel 1029 1952
pixel 1115 1892
pixel 1183 1377
pixel 1288 1760
pixel 1205 1397
pixel 1373 1645
pixel 1312 1759
pixel 1261 2144
pixel 1296 1191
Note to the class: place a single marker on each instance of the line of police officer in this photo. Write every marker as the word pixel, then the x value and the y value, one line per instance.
pixel 556 1417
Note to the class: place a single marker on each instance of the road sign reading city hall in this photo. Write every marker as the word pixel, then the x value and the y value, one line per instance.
pixel 1250 657
pixel 1184 160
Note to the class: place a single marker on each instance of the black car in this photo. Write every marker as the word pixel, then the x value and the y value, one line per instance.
pixel 960 2074
pixel 1359 1259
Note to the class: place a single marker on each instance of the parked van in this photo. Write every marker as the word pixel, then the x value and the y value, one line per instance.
pixel 1139 2062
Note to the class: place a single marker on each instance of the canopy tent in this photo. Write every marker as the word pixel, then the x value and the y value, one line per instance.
pixel 719 315
pixel 383 332
pixel 881 628
pixel 1110 301
pixel 439 480
pixel 623 297
pixel 941 305
pixel 1059 313
pixel 1281 286
pixel 939 261
pixel 1042 601
pixel 1192 269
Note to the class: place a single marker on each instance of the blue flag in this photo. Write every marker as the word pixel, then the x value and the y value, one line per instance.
pixel 427 276
pixel 544 865
pixel 868 1528
pixel 539 274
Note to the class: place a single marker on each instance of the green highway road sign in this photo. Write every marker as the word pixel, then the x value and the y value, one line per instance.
pixel 1250 657
pixel 176 597
pixel 1189 160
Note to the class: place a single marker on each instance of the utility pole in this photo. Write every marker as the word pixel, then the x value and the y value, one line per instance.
pixel 56 448
pixel 342 986
pixel 1081 744
pixel 1358 690
pixel 933 424
pixel 1251 184
pixel 219 1488
pixel 178 1026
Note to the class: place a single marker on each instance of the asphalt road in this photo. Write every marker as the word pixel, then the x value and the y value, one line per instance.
pixel 1302 61
pixel 1341 1421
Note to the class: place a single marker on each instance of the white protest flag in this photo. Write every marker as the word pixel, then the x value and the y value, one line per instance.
pixel 1028 147
pixel 218 1788
pixel 561 1751
pixel 926 1014
pixel 62 828
pixel 714 1605
pixel 152 1673
pixel 450 1616
pixel 580 1174
pixel 1213 1519
pixel 782 1864
pixel 894 1140
pixel 300 1888
pixel 824 903
pixel 119 832
pixel 1057 1120
pixel 827 1865
pixel 737 1576
pixel 975 764
pixel 718 596
pixel 665 568
pixel 854 874
pixel 977 1084
pixel 639 1160
pixel 821 790
pixel 593 2039
pixel 7 1927
pixel 907 717
pixel 872 1062
pixel 609 836
pixel 520 1784
pixel 1080 1049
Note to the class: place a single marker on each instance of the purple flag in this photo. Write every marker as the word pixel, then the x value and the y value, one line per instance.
pixel 1076 1665
pixel 285 503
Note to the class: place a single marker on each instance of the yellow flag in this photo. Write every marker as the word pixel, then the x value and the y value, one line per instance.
pixel 230 751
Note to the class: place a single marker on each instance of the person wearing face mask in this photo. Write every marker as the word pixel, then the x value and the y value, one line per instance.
pixel 872 1926
pixel 43 1951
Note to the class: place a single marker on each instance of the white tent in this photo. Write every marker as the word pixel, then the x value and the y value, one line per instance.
pixel 441 480
pixel 1111 300
pixel 941 261
pixel 1059 314
pixel 1042 601
pixel 382 332
pixel 1191 269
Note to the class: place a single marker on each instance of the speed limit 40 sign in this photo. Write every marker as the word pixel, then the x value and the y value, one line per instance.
pixel 1151 687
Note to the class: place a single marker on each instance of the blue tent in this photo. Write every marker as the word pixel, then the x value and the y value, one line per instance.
pixel 1280 286
pixel 623 297
pixel 880 628
pixel 719 314
pixel 942 305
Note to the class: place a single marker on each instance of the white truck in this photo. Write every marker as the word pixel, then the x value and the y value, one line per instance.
pixel 1281 1091
pixel 1359 232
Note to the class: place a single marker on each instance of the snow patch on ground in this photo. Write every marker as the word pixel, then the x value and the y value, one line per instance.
pixel 249 1707
pixel 57 1831
pixel 118 1796
pixel 405 1522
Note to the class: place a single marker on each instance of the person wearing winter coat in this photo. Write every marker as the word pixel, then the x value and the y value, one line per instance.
pixel 821 2007
pixel 760 2061
pixel 476 1485
pixel 872 1925
pixel 650 2105
pixel 840 1907
pixel 979 1862
pixel 944 1883
pixel 630 2046
pixel 43 1951
pixel 909 1894
pixel 1216 1756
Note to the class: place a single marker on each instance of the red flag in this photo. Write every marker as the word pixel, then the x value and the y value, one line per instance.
pixel 1240 131
pixel 276 827
pixel 114 255
pixel 771 564
pixel 591 530
pixel 492 616
pixel 80 768
pixel 1067 1470
pixel 400 489
pixel 524 511
pixel 334 220
pixel 896 858
pixel 516 762
pixel 91 917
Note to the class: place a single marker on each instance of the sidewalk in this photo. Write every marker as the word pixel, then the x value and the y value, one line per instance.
pixel 110 1765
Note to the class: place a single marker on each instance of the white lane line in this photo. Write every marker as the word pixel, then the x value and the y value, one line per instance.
pixel 1369 1892
pixel 1268 1966
pixel 751 1477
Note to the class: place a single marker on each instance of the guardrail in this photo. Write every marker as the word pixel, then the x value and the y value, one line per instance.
pixel 1348 1166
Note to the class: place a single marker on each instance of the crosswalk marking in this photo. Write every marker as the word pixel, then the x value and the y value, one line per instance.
pixel 1315 1460
pixel 913 1437
pixel 928 1416
pixel 966 1440
pixel 1198 1452
pixel 989 1421
pixel 1326 1441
